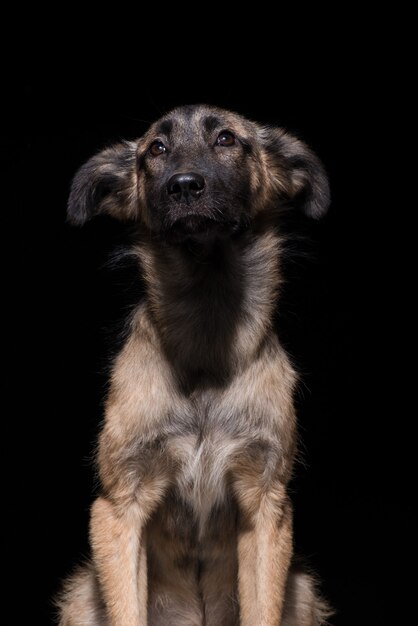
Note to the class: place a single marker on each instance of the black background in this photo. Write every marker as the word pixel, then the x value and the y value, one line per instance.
pixel 76 304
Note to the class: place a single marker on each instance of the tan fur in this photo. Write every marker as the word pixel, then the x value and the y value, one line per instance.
pixel 194 525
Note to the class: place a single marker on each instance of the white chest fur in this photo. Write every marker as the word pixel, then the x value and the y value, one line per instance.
pixel 203 466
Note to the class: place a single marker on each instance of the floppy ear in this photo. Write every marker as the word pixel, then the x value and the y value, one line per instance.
pixel 297 172
pixel 105 184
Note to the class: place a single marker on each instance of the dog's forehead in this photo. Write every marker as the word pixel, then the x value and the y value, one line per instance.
pixel 199 121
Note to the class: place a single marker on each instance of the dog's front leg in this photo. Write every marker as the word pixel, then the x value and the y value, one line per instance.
pixel 118 541
pixel 118 548
pixel 264 552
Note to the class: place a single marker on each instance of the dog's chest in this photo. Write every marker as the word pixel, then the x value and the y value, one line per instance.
pixel 204 455
pixel 203 461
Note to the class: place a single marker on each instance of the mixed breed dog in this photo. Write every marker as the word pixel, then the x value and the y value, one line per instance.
pixel 193 524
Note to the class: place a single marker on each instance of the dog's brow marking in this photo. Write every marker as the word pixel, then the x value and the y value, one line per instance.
pixel 165 127
pixel 211 122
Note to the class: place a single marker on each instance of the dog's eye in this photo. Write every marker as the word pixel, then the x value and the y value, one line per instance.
pixel 157 148
pixel 225 139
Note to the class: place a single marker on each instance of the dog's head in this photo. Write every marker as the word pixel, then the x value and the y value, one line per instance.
pixel 200 170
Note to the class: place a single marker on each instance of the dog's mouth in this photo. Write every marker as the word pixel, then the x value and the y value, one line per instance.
pixel 193 226
pixel 184 223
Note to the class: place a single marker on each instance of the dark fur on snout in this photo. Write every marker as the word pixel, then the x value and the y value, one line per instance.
pixel 193 524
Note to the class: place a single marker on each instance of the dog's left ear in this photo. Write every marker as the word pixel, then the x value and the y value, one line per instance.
pixel 297 172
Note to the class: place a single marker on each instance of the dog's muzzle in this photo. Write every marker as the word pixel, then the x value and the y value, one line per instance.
pixel 186 187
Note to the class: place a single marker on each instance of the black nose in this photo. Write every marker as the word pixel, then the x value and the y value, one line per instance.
pixel 189 185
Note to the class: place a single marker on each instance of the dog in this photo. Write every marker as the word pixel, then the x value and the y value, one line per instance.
pixel 193 524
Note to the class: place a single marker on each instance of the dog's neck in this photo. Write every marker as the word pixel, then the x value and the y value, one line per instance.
pixel 212 303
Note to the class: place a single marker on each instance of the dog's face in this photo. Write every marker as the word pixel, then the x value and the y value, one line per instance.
pixel 195 173
pixel 200 170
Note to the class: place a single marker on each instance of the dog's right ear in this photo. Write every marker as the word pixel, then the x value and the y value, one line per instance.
pixel 105 184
